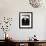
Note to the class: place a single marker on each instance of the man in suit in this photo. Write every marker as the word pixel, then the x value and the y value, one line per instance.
pixel 25 20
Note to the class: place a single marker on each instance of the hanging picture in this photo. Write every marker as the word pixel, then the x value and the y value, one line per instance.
pixel 25 20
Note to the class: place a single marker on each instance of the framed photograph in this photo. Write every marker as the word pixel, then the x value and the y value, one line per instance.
pixel 25 20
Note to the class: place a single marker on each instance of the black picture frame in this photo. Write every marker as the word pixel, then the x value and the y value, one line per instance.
pixel 28 22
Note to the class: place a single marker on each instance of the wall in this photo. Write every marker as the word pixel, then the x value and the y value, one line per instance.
pixel 11 8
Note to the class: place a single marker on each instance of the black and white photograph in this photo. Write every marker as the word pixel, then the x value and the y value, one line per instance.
pixel 25 19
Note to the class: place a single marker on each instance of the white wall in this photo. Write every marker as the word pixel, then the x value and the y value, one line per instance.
pixel 11 8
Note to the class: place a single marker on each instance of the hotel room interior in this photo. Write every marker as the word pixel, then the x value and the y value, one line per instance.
pixel 22 22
